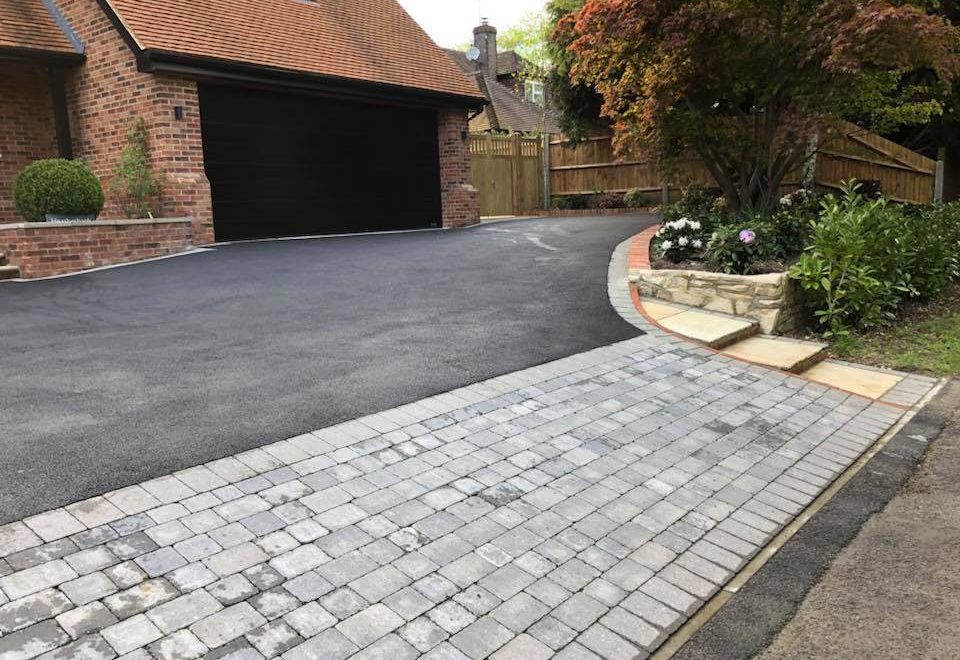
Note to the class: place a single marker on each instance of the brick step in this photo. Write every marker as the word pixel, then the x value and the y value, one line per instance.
pixel 781 353
pixel 9 272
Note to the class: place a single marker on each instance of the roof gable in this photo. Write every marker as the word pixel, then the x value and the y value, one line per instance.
pixel 364 40
pixel 28 25
pixel 506 109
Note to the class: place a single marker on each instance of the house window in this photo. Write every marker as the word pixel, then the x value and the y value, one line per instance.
pixel 533 92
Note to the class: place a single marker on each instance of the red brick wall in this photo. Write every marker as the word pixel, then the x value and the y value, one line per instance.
pixel 43 249
pixel 107 92
pixel 461 201
pixel 27 131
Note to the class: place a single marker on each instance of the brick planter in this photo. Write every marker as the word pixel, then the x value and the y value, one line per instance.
pixel 774 300
pixel 42 249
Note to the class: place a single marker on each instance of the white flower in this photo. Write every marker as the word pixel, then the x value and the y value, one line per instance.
pixel 683 241
pixel 666 245
pixel 697 243
pixel 695 225
pixel 786 200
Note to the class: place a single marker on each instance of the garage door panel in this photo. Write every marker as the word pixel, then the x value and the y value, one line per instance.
pixel 282 165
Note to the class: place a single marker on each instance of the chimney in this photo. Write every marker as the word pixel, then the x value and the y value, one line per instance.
pixel 485 39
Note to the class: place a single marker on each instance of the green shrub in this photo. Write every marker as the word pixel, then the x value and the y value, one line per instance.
pixel 792 222
pixel 696 202
pixel 743 248
pixel 933 257
pixel 59 187
pixel 679 240
pixel 856 266
pixel 571 202
pixel 134 182
pixel 746 245
pixel 609 201
pixel 636 198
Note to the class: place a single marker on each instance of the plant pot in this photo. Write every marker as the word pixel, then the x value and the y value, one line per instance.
pixel 55 217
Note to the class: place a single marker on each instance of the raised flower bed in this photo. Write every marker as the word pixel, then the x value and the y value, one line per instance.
pixel 775 301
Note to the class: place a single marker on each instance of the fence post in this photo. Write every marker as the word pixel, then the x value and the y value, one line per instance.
pixel 545 164
pixel 517 167
pixel 938 179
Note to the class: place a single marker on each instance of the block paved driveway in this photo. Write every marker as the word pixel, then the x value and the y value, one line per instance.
pixel 109 378
pixel 582 508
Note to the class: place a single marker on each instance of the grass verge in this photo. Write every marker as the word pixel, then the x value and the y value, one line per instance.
pixel 925 339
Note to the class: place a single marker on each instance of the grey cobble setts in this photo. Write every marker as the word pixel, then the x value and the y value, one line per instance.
pixel 581 508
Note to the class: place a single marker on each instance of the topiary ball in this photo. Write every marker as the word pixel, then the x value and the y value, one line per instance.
pixel 57 186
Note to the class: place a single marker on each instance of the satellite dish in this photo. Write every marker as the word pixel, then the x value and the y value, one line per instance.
pixel 473 54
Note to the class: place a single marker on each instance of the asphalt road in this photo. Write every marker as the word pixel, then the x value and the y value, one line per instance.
pixel 113 377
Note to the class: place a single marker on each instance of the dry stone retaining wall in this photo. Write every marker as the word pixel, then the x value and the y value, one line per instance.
pixel 774 300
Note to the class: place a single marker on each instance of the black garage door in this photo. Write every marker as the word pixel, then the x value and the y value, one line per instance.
pixel 289 165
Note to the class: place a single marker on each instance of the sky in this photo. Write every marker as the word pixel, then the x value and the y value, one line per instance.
pixel 451 22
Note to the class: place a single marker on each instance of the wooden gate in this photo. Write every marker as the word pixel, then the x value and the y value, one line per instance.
pixel 508 172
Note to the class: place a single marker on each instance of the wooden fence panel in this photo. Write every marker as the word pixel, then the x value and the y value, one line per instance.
pixel 903 174
pixel 508 172
pixel 592 167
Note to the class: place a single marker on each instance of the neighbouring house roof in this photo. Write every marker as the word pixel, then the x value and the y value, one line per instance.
pixel 509 63
pixel 29 26
pixel 506 110
pixel 373 41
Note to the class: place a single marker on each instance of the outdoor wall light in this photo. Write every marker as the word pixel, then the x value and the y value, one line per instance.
pixel 178 112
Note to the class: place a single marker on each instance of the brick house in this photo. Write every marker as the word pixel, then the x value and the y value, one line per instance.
pixel 517 99
pixel 267 118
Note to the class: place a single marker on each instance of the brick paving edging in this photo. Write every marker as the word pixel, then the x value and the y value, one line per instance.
pixel 582 508
pixel 904 395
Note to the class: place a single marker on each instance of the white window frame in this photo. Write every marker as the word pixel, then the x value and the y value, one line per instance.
pixel 535 92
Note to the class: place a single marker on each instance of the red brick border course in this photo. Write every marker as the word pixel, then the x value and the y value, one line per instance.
pixel 42 249
pixel 639 254
pixel 580 213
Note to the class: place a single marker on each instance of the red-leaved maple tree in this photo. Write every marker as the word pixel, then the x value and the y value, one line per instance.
pixel 748 85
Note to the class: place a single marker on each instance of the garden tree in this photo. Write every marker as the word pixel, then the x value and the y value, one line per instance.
pixel 577 104
pixel 528 39
pixel 748 84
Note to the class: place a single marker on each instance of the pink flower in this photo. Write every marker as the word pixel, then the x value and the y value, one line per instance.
pixel 748 236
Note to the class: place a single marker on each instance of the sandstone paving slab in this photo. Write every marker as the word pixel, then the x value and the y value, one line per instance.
pixel 585 507
pixel 659 310
pixel 714 330
pixel 868 382
pixel 778 352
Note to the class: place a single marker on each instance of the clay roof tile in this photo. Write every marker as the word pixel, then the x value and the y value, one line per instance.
pixel 29 25
pixel 368 40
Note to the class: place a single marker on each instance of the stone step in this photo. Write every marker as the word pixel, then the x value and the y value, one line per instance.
pixel 715 330
pixel 9 272
pixel 781 353
pixel 868 382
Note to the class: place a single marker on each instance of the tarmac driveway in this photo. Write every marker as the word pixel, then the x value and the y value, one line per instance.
pixel 114 377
